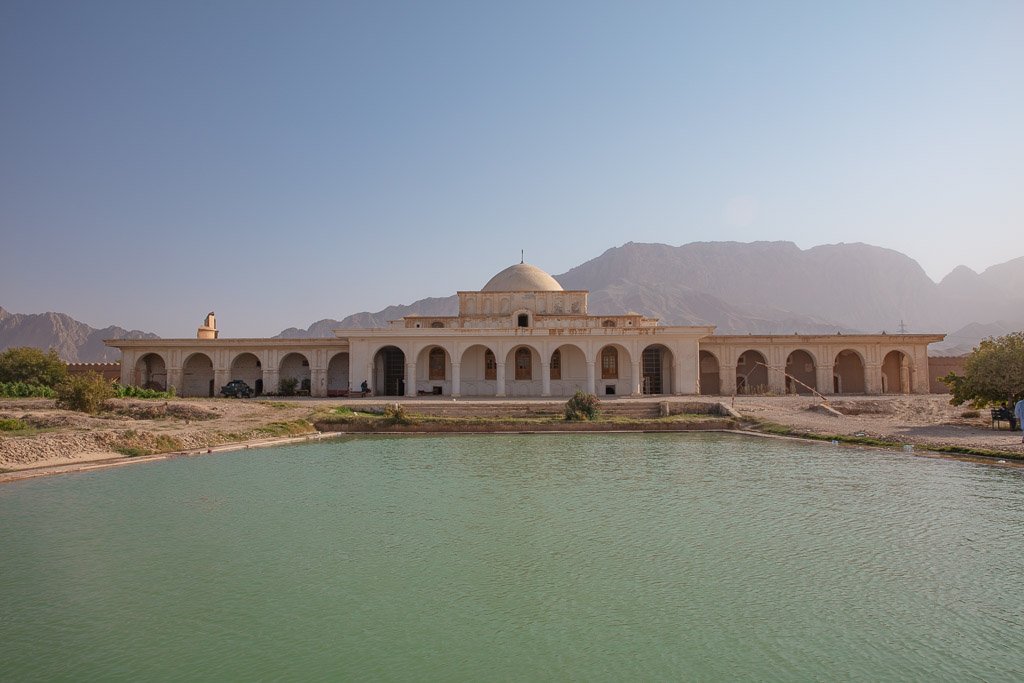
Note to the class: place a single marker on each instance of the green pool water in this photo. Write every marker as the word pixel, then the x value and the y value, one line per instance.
pixel 518 557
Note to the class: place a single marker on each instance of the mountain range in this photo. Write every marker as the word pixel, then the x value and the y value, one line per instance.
pixel 74 341
pixel 756 287
pixel 775 288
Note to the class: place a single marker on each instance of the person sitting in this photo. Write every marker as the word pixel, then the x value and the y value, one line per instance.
pixel 364 387
pixel 1004 413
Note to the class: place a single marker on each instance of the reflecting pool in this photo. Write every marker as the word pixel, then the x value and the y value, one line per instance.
pixel 522 557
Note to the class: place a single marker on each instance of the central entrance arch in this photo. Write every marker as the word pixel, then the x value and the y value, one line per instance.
pixel 656 370
pixel 197 376
pixel 389 372
pixel 897 374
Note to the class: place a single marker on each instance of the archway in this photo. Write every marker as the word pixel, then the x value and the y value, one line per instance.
pixel 656 370
pixel 897 373
pixel 613 371
pixel 751 373
pixel 801 373
pixel 522 367
pixel 478 371
pixel 151 372
pixel 293 374
pixel 197 376
pixel 568 370
pixel 848 373
pixel 248 368
pixel 338 375
pixel 710 380
pixel 434 370
pixel 389 372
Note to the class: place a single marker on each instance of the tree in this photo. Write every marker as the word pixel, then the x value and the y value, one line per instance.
pixel 32 366
pixel 993 373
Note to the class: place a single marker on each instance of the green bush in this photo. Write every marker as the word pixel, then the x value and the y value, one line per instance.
pixel 139 392
pixel 12 425
pixel 395 413
pixel 25 390
pixel 582 406
pixel 287 386
pixel 32 366
pixel 85 393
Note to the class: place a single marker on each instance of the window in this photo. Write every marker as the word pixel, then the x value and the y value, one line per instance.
pixel 524 364
pixel 436 363
pixel 556 364
pixel 437 323
pixel 523 320
pixel 490 366
pixel 609 363
pixel 608 323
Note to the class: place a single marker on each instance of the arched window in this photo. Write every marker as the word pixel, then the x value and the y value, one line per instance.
pixel 556 364
pixel 437 323
pixel 490 366
pixel 524 363
pixel 609 363
pixel 437 363
pixel 608 323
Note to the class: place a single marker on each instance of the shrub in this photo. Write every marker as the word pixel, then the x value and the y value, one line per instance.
pixel 32 366
pixel 582 406
pixel 85 393
pixel 12 425
pixel 139 392
pixel 25 390
pixel 287 386
pixel 395 414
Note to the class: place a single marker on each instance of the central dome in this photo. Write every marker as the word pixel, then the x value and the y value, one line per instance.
pixel 522 277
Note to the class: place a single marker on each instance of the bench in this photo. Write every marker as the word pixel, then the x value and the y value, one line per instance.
pixel 1003 415
pixel 346 393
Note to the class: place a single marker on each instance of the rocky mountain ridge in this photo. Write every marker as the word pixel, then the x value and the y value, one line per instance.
pixel 74 341
pixel 756 287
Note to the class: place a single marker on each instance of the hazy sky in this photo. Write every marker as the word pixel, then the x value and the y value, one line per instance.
pixel 285 162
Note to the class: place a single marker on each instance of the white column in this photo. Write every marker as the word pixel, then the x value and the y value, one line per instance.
pixel 410 379
pixel 591 389
pixel 369 380
pixel 221 376
pixel 824 373
pixel 545 379
pixel 318 382
pixel 174 379
pixel 635 389
pixel 727 378
pixel 873 378
pixel 500 379
pixel 456 380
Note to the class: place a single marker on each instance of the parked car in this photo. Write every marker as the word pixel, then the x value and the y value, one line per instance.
pixel 236 388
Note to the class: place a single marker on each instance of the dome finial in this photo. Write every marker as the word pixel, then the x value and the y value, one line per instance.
pixel 522 256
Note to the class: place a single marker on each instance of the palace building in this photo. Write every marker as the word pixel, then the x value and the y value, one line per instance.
pixel 522 335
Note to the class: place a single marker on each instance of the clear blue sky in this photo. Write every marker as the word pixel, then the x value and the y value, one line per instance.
pixel 285 162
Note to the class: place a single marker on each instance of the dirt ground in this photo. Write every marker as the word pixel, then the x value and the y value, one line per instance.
pixel 60 437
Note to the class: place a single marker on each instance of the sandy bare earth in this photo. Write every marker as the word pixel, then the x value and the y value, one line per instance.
pixel 919 420
pixel 62 437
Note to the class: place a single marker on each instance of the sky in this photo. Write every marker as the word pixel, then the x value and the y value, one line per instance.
pixel 283 162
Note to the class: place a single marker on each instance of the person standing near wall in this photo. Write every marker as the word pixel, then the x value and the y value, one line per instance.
pixel 1018 410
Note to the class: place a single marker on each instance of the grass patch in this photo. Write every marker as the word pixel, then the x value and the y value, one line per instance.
pixel 276 404
pixel 12 425
pixel 292 428
pixel 131 444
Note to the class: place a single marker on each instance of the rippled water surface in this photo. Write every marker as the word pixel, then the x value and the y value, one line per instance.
pixel 592 557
